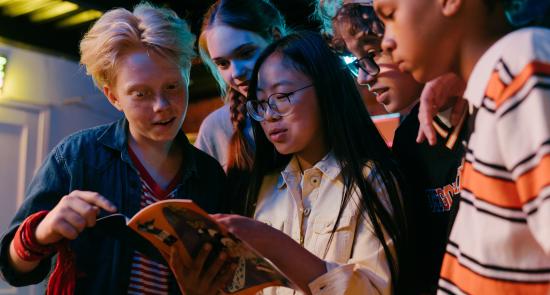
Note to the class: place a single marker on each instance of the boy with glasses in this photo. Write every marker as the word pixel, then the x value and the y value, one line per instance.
pixel 500 242
pixel 432 172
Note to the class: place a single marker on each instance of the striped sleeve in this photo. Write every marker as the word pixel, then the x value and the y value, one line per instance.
pixel 500 241
pixel 522 109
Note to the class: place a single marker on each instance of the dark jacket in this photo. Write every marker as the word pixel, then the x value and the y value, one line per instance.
pixel 97 160
pixel 433 175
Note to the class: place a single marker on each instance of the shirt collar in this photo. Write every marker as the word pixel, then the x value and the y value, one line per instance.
pixel 479 78
pixel 442 125
pixel 328 165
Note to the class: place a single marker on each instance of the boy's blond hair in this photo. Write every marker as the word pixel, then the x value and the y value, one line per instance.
pixel 119 30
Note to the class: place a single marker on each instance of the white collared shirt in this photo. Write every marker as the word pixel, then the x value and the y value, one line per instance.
pixel 355 259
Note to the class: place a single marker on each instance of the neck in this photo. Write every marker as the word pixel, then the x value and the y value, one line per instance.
pixel 162 161
pixel 148 150
pixel 476 44
pixel 308 160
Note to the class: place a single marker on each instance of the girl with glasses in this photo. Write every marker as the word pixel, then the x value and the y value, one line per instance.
pixel 324 188
pixel 233 34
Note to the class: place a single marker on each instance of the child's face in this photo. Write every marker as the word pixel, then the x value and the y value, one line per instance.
pixel 394 89
pixel 234 53
pixel 151 91
pixel 298 131
pixel 417 36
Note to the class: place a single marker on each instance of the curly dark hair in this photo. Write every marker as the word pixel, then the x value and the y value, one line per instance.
pixel 356 18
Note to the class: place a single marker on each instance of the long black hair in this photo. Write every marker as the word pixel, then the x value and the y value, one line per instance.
pixel 349 133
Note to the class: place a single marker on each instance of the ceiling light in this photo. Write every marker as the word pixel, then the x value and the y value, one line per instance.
pixel 24 7
pixel 8 2
pixel 79 18
pixel 54 11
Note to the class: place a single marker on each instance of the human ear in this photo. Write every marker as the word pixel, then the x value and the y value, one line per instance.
pixel 450 7
pixel 111 97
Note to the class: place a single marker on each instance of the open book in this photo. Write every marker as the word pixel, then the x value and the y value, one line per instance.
pixel 184 225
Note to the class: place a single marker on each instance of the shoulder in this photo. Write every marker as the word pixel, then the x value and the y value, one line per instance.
pixel 206 165
pixel 405 134
pixel 409 125
pixel 216 127
pixel 83 140
pixel 217 118
pixel 524 47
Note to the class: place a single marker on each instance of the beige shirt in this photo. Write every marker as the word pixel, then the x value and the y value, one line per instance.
pixel 306 208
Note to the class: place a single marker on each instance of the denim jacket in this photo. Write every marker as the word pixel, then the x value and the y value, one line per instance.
pixel 97 160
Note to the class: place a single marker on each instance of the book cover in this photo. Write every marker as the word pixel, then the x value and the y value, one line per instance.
pixel 182 224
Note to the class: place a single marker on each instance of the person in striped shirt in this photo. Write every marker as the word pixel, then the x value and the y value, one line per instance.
pixel 500 242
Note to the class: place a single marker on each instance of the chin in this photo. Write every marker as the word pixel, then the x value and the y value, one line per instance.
pixel 283 149
pixel 166 137
pixel 425 75
pixel 391 109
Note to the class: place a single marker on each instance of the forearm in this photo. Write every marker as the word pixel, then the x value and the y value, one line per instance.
pixel 297 263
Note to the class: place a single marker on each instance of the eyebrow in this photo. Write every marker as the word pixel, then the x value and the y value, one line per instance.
pixel 236 49
pixel 282 82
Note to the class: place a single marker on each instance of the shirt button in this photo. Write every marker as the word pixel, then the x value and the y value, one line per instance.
pixel 315 180
pixel 307 211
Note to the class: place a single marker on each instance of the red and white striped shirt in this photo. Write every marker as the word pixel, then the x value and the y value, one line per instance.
pixel 148 276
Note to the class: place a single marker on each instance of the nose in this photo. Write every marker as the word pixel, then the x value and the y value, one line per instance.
pixel 388 42
pixel 161 103
pixel 270 115
pixel 240 70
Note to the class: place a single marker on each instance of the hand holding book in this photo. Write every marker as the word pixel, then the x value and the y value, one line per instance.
pixel 200 278
pixel 179 230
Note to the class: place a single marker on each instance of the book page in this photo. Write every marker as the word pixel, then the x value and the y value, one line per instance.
pixel 184 225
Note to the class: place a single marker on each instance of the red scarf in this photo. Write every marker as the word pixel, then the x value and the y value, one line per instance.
pixel 63 278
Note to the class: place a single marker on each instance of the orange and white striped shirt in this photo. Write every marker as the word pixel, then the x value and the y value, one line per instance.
pixel 500 242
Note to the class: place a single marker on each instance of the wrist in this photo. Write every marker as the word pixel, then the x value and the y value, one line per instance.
pixel 26 245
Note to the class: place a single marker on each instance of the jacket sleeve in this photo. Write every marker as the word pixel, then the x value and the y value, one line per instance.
pixel 45 190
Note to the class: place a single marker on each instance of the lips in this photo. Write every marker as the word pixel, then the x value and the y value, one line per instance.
pixel 380 98
pixel 164 122
pixel 277 134
pixel 401 66
pixel 243 86
pixel 379 90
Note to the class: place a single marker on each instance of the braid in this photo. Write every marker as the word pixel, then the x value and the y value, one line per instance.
pixel 240 154
pixel 237 110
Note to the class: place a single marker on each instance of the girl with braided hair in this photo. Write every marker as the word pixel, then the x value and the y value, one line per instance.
pixel 233 34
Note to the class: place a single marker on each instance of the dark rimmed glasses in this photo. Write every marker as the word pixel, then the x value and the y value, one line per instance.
pixel 365 63
pixel 278 103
